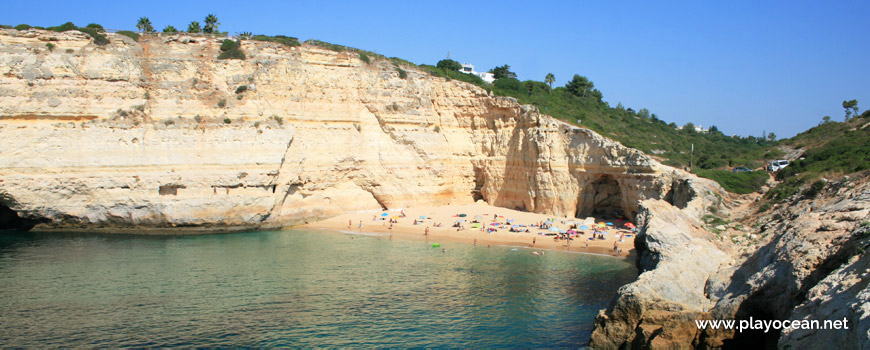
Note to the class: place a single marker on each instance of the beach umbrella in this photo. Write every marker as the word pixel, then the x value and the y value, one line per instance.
pixel 515 226
pixel 478 218
pixel 385 214
pixel 397 217
pixel 584 227
pixel 510 220
pixel 554 229
pixel 462 215
pixel 629 225
pixel 601 224
pixel 460 220
pixel 422 217
pixel 609 224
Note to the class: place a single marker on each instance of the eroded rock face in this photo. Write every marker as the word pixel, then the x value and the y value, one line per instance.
pixel 807 263
pixel 160 133
pixel 810 264
pixel 660 308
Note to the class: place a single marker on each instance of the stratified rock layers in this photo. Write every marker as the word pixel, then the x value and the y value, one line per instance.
pixel 159 133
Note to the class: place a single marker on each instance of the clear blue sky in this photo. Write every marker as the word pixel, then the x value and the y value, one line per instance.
pixel 744 66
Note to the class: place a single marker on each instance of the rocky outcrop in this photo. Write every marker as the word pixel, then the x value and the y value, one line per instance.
pixel 676 258
pixel 808 262
pixel 159 133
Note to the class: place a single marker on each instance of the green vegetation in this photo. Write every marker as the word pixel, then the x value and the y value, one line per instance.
pixel 278 119
pixel 241 89
pixel 448 64
pixel 742 183
pixel 832 148
pixel 227 121
pixel 96 27
pixel 228 45
pixel 342 48
pixel 402 73
pixel 712 220
pixel 580 103
pixel 131 35
pixel 222 103
pixel 285 40
pixel 851 107
pixel 49 46
pixel 170 29
pixel 503 72
pixel 144 25
pixel 455 74
pixel 99 38
pixel 550 79
pixel 211 24
pixel 365 58
pixel 231 50
pixel 815 189
pixel 96 31
pixel 63 27
pixel 194 27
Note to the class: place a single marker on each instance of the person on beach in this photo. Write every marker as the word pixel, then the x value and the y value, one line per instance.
pixel 534 240
pixel 427 231
pixel 360 224
pixel 349 223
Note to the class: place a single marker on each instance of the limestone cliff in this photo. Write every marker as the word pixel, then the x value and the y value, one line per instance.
pixel 159 133
pixel 807 261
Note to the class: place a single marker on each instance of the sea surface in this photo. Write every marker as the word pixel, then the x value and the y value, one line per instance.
pixel 294 288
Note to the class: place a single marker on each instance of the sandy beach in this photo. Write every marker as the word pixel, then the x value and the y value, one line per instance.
pixel 375 223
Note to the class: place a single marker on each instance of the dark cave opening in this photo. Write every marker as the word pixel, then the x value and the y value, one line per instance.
pixel 9 220
pixel 602 198
pixel 479 180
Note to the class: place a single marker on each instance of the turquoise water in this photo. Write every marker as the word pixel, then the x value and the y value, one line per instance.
pixel 294 288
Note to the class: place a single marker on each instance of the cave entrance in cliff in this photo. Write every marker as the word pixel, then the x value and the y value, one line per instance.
pixel 601 198
pixel 9 220
pixel 479 180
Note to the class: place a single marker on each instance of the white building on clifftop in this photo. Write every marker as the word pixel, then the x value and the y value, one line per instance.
pixel 469 69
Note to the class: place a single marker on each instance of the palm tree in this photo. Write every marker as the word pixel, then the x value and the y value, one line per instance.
pixel 194 27
pixel 211 24
pixel 170 29
pixel 550 79
pixel 144 25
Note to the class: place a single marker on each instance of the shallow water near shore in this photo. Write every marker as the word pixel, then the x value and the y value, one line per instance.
pixel 294 288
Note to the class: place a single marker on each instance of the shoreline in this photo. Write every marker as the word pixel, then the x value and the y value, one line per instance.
pixel 375 224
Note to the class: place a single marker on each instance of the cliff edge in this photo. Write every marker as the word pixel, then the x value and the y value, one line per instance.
pixel 160 133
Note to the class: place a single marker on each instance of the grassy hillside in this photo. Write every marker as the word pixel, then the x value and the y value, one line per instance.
pixel 833 149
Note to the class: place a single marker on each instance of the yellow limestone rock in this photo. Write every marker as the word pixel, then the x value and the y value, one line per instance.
pixel 159 133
